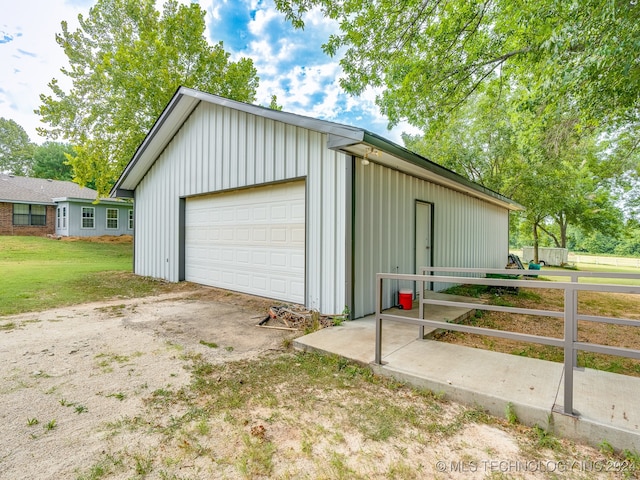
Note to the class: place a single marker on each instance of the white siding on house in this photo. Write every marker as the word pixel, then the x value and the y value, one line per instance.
pixel 467 232
pixel 74 228
pixel 221 149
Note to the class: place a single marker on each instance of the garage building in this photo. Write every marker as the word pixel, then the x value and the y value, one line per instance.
pixel 298 209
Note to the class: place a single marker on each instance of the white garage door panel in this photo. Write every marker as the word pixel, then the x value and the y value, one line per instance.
pixel 251 241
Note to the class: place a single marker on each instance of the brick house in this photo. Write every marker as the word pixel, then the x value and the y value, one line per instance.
pixel 38 207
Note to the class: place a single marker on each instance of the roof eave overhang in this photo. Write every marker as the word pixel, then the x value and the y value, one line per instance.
pixel 340 137
pixel 163 130
pixel 108 201
pixel 26 202
pixel 398 158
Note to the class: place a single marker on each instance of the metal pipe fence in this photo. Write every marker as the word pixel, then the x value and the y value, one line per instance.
pixel 478 276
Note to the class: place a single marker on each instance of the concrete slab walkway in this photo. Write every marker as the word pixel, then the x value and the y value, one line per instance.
pixel 608 404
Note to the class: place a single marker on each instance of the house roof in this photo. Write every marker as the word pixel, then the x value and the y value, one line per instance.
pixel 351 140
pixel 105 201
pixel 14 189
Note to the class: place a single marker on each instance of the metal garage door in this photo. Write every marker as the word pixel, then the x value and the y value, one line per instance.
pixel 251 241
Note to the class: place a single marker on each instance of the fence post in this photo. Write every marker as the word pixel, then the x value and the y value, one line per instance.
pixel 570 325
pixel 421 306
pixel 575 279
pixel 378 347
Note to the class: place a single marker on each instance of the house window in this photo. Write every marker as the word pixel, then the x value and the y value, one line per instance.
pixel 58 214
pixel 130 219
pixel 88 217
pixel 64 217
pixel 112 218
pixel 29 215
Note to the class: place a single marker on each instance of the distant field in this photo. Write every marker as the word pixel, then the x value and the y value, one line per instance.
pixel 598 263
pixel 604 260
pixel 597 268
pixel 39 273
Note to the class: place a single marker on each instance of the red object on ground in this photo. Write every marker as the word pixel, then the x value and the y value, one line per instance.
pixel 405 299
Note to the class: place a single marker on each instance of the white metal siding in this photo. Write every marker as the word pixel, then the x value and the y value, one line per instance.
pixel 219 149
pixel 467 231
pixel 250 240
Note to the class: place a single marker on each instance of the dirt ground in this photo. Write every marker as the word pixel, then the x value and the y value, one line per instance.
pixel 103 358
pixel 70 373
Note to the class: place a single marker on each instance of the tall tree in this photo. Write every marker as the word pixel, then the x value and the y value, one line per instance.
pixel 431 59
pixel 559 170
pixel 50 161
pixel 477 141
pixel 16 149
pixel 126 61
pixel 429 56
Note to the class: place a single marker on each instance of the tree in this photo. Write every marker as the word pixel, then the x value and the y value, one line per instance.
pixel 126 61
pixel 433 60
pixel 16 149
pixel 50 161
pixel 478 141
pixel 273 105
pixel 429 56
pixel 558 169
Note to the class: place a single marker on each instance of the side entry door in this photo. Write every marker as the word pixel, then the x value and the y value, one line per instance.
pixel 424 236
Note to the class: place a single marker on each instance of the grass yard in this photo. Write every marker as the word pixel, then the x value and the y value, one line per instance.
pixel 40 273
pixel 589 303
pixel 600 269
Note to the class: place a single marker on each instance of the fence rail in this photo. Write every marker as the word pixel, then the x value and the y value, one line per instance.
pixel 604 260
pixel 478 276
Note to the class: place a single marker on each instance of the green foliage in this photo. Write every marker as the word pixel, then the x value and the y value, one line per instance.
pixel 208 344
pixel 557 169
pixel 256 459
pixel 273 105
pixel 606 448
pixel 341 318
pixel 50 161
pixel 511 415
pixel 429 57
pixel 536 100
pixel 546 439
pixel 626 244
pixel 126 61
pixel 16 149
pixel 467 290
pixel 51 425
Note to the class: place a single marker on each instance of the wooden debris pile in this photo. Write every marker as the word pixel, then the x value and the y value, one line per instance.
pixel 296 317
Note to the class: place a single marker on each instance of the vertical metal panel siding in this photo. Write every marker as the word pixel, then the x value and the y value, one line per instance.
pixel 468 232
pixel 219 148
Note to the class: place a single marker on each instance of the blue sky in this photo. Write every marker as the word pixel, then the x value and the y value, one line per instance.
pixel 290 62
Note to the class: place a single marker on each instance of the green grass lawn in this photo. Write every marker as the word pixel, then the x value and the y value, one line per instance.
pixel 39 273
pixel 597 268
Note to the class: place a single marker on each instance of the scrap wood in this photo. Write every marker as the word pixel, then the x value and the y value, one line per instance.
pixel 278 328
pixel 295 317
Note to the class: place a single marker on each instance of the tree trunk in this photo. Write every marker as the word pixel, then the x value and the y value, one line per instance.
pixel 563 234
pixel 551 235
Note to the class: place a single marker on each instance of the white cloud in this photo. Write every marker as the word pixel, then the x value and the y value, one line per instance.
pixel 290 63
pixel 32 58
pixel 262 17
